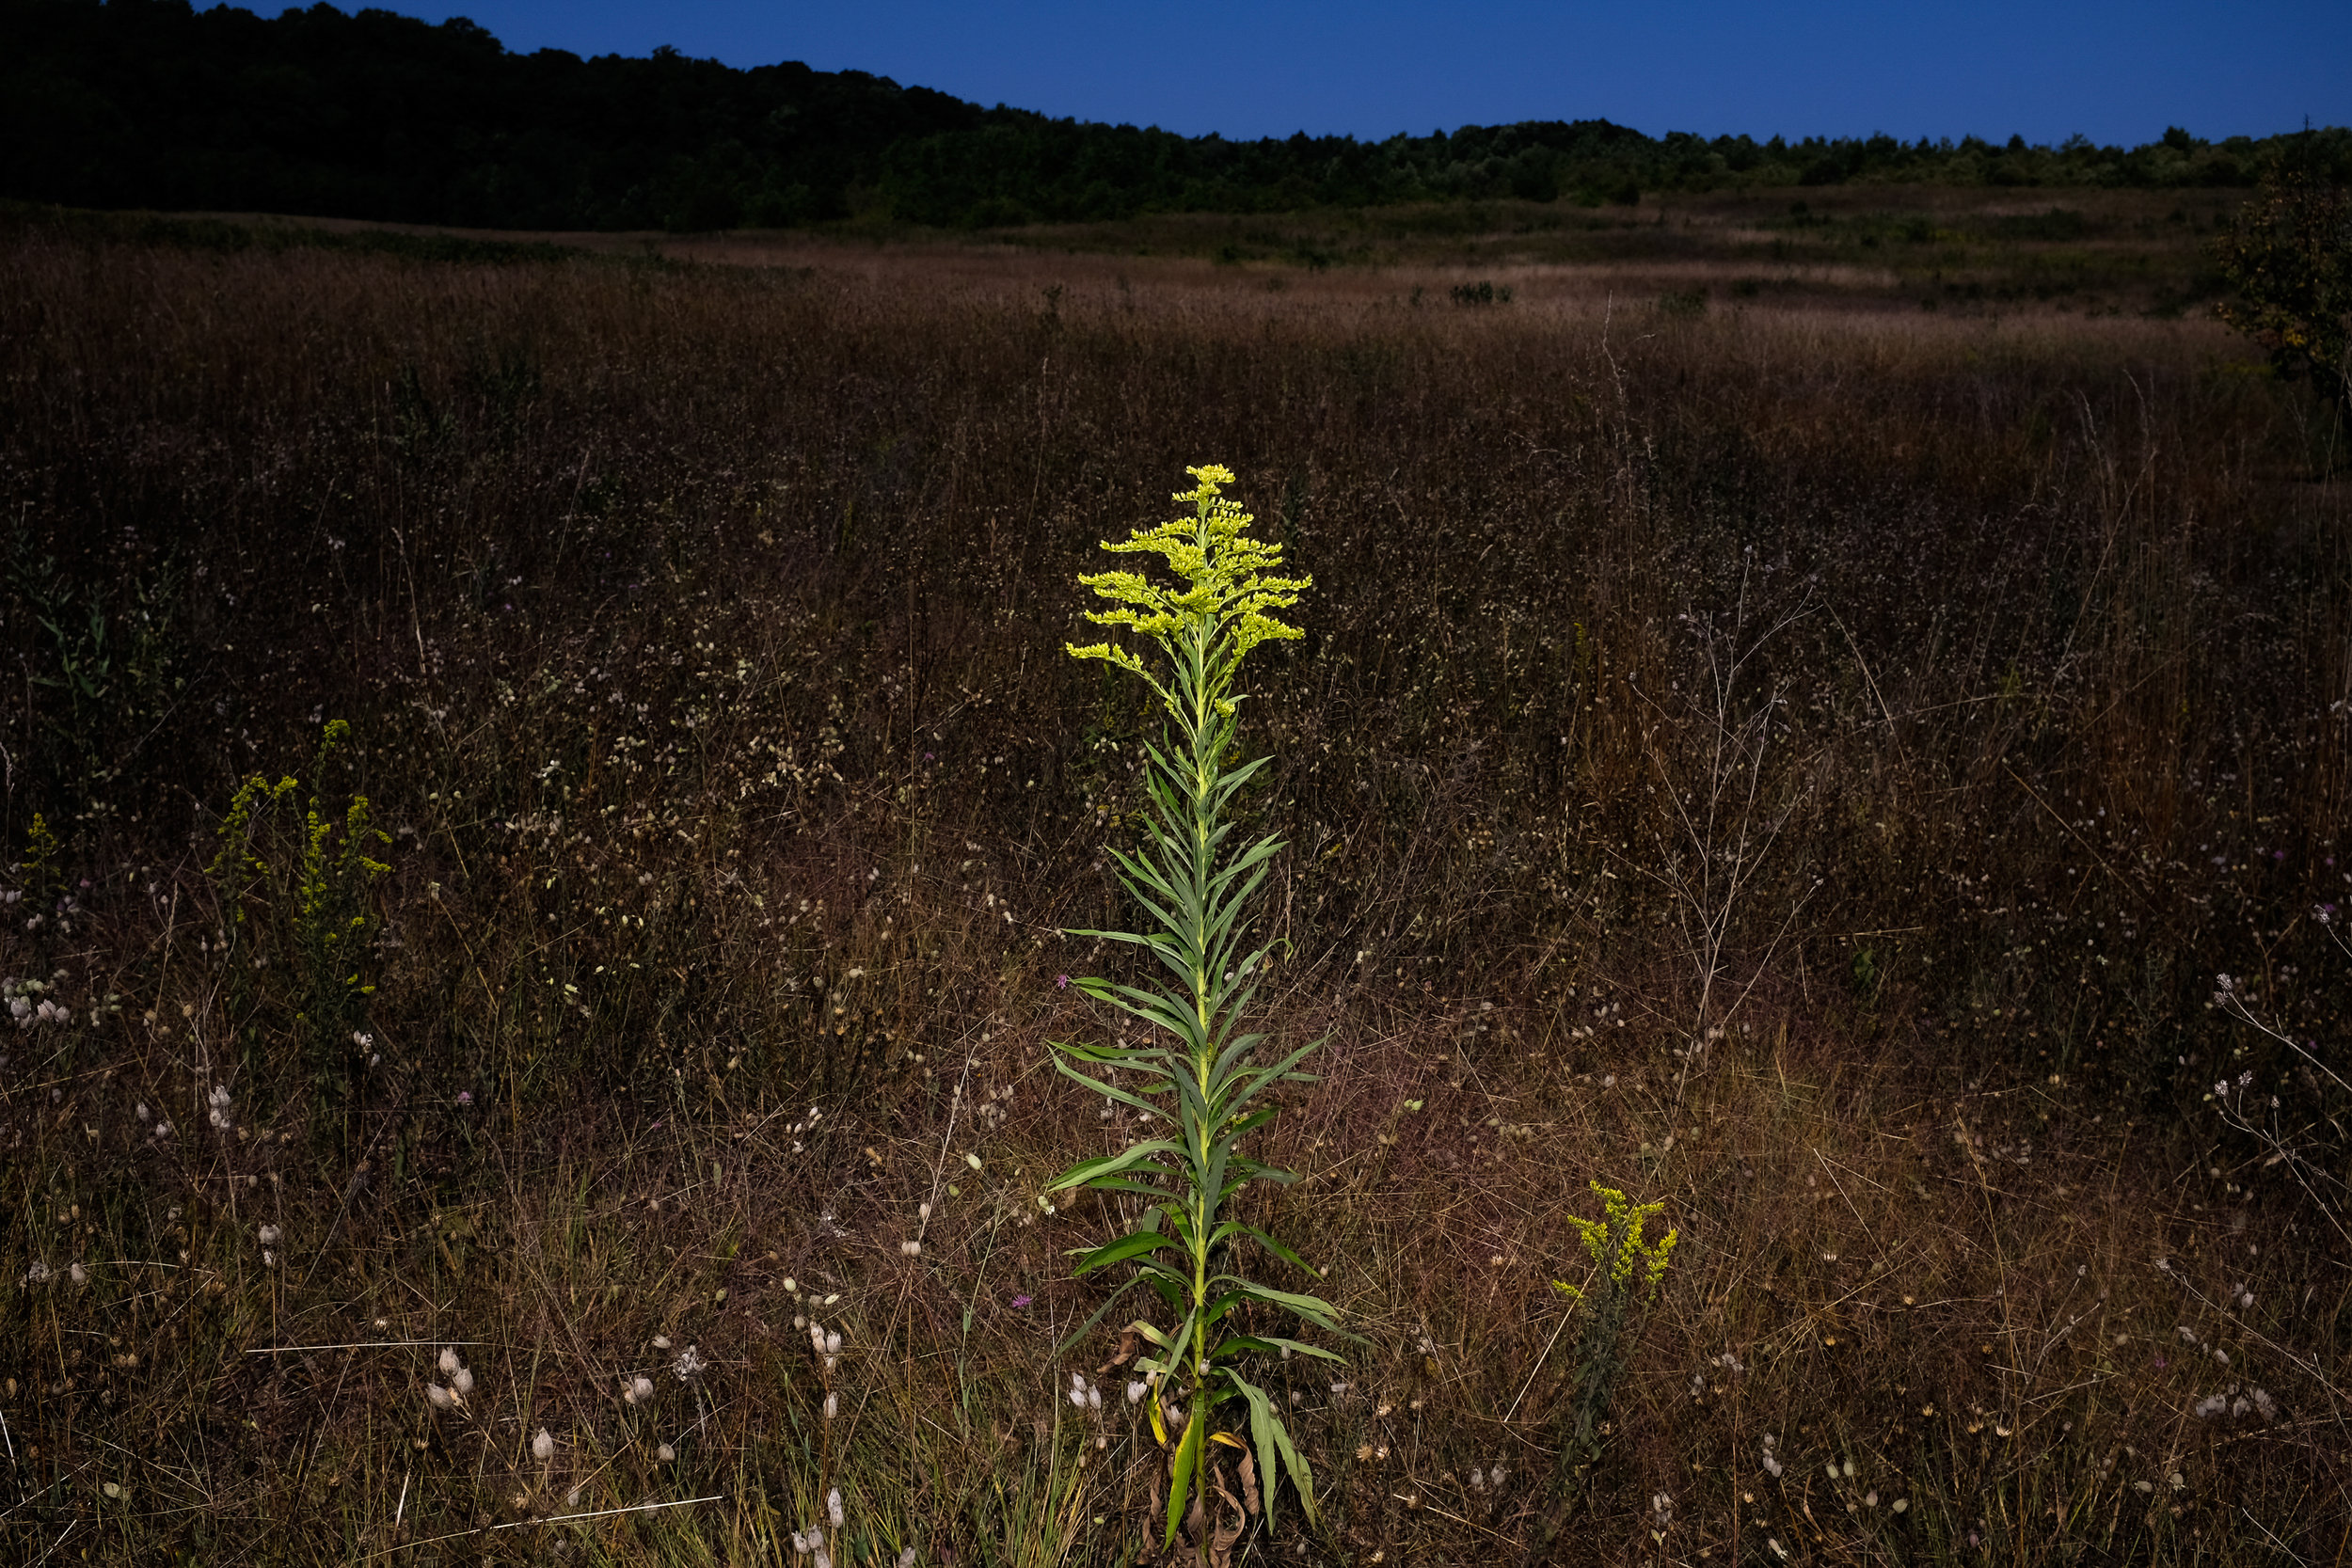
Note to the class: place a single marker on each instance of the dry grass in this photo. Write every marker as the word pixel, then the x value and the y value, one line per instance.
pixel 699 629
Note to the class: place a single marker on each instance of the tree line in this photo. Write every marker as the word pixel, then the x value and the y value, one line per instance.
pixel 151 104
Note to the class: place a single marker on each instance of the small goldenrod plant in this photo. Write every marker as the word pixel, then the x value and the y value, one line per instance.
pixel 324 906
pixel 1627 1271
pixel 1199 1074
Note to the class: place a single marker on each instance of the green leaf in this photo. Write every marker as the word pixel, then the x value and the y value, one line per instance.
pixel 1273 1438
pixel 1314 1310
pixel 1112 1091
pixel 1135 1243
pixel 1300 1347
pixel 1237 1228
pixel 1131 1184
pixel 1180 1479
pixel 1111 1164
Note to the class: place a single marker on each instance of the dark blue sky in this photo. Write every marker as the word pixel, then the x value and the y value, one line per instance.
pixel 2116 70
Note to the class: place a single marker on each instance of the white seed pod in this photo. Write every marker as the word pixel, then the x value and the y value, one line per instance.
pixel 665 1454
pixel 543 1445
pixel 439 1397
pixel 461 1380
pixel 448 1360
pixel 832 1405
pixel 639 1390
pixel 833 1507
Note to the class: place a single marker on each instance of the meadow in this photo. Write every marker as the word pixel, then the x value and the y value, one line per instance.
pixel 1775 735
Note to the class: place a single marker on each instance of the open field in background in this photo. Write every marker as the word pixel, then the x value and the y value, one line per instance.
pixel 1801 757
pixel 1874 247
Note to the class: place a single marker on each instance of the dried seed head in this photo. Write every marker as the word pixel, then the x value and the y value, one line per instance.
pixel 833 1507
pixel 448 1360
pixel 439 1397
pixel 543 1445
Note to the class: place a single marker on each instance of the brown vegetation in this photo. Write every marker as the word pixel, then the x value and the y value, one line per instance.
pixel 1804 764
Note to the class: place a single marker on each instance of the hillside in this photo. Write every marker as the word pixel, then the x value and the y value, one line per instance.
pixel 149 104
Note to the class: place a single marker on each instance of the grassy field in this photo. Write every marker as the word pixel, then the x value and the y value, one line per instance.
pixel 1798 710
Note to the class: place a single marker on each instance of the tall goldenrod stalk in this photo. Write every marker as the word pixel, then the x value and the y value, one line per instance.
pixel 1198 1073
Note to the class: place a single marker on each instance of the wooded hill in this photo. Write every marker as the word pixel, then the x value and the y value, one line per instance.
pixel 151 104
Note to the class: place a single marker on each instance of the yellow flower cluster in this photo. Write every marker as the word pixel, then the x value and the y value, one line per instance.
pixel 1221 611
pixel 1616 1244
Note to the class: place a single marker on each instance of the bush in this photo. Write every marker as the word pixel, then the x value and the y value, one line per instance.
pixel 2289 260
pixel 1480 292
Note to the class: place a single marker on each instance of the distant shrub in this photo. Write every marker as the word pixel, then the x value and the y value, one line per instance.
pixel 2288 259
pixel 1480 292
pixel 1683 303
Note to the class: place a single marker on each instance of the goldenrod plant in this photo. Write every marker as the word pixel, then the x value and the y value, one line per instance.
pixel 1628 1270
pixel 1199 1073
pixel 325 907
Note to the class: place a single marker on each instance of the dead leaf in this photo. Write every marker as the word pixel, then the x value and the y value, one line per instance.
pixel 1230 1527
pixel 1129 1343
